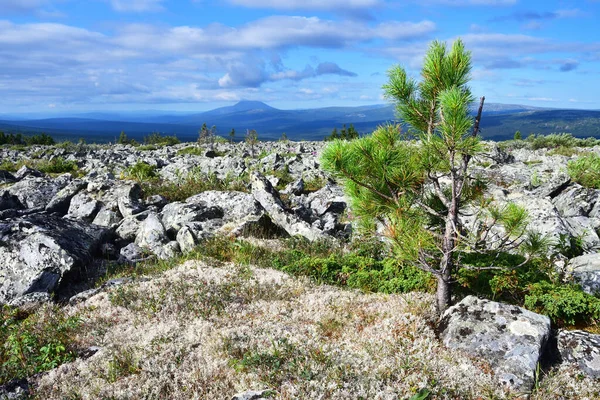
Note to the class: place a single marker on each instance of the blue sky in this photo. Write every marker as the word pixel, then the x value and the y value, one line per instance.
pixel 70 56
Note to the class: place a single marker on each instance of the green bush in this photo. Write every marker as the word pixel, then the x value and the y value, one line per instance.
pixel 32 343
pixel 585 170
pixel 564 304
pixel 57 165
pixel 157 138
pixel 141 172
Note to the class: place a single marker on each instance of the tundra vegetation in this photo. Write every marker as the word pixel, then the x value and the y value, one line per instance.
pixel 316 319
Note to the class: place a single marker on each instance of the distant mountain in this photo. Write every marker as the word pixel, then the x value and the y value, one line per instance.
pixel 499 121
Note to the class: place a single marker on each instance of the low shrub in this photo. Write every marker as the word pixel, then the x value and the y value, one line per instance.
pixel 565 304
pixel 585 170
pixel 36 342
pixel 191 150
pixel 158 139
pixel 141 172
pixel 362 267
pixel 57 165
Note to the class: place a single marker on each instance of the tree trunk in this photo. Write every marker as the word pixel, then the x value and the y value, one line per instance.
pixel 444 286
pixel 443 294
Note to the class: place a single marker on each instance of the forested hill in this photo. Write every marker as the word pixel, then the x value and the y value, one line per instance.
pixel 500 121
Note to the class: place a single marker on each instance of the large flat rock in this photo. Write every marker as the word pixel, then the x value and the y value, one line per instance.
pixel 510 338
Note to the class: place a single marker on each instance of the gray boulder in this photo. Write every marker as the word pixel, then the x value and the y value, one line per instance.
pixel 132 253
pixel 25 171
pixel 62 199
pixel 174 215
pixel 37 192
pixel 129 199
pixel 267 196
pixel 581 348
pixel 236 206
pixel 6 177
pixel 45 253
pixel 107 218
pixel 152 233
pixel 9 201
pixel 576 201
pixel 511 339
pixel 585 270
pixel 186 239
pixel 129 226
pixel 83 207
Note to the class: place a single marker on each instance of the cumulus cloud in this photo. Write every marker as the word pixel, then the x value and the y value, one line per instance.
pixel 256 74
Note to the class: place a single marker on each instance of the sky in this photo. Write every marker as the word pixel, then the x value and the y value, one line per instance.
pixel 69 56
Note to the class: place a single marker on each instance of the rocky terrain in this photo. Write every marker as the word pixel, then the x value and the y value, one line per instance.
pixel 60 233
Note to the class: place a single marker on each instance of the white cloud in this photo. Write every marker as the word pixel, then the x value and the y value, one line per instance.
pixel 308 4
pixel 137 5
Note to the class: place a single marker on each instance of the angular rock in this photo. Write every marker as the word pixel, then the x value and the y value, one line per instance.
pixel 548 222
pixel 186 239
pixel 174 215
pixel 584 229
pixel 511 339
pixel 167 251
pixel 129 226
pixel 296 188
pixel 43 253
pixel 83 207
pixel 267 196
pixel 576 201
pixel 585 270
pixel 62 199
pixel 25 171
pixel 327 199
pixel 132 253
pixel 236 206
pixel 107 218
pixel 6 177
pixel 129 199
pixel 37 192
pixel 581 348
pixel 9 201
pixel 152 233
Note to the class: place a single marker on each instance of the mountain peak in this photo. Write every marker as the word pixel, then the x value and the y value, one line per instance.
pixel 244 105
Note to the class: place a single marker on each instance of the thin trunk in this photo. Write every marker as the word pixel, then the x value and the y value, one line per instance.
pixel 444 284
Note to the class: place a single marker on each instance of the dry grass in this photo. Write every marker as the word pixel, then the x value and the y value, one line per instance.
pixel 202 332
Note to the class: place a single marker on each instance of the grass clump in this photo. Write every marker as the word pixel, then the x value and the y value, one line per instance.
pixel 585 170
pixel 195 182
pixel 57 165
pixel 35 342
pixel 282 362
pixel 191 150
